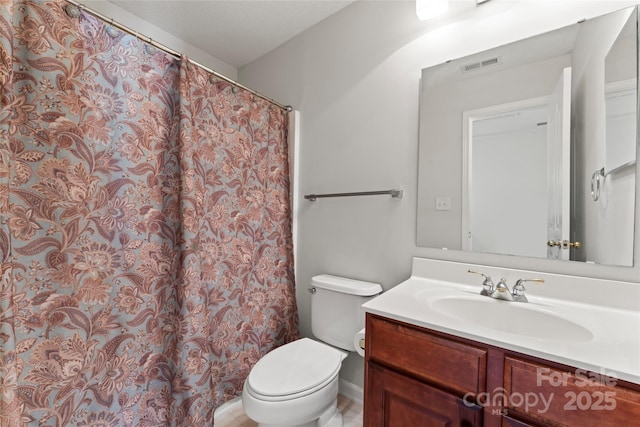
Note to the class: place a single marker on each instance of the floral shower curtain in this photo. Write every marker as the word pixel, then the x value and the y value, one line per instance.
pixel 144 228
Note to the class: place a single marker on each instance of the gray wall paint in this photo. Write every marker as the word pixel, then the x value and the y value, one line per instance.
pixel 355 79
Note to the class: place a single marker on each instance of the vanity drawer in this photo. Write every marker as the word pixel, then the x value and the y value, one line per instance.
pixel 567 397
pixel 448 363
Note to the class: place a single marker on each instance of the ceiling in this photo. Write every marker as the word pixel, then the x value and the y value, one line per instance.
pixel 234 31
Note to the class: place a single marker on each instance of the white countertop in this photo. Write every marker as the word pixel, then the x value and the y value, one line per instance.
pixel 605 339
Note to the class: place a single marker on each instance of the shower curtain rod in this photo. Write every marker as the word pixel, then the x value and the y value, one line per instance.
pixel 171 52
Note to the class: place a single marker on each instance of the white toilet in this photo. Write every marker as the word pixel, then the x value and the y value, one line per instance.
pixel 296 385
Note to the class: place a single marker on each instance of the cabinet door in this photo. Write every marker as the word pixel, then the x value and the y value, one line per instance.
pixel 395 400
pixel 573 399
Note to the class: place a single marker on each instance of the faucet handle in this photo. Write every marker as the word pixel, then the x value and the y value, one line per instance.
pixel 518 289
pixel 487 283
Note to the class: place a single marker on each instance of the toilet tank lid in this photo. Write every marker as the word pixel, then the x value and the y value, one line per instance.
pixel 346 286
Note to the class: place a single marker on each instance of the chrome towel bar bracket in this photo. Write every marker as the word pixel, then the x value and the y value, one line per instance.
pixel 598 177
pixel 396 194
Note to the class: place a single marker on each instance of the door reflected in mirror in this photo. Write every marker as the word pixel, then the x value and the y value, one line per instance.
pixel 514 137
pixel 528 142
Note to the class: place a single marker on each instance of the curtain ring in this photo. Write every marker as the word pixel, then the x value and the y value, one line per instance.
pixel 72 10
pixel 112 30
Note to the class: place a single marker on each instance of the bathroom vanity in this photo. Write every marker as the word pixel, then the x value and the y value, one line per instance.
pixel 438 353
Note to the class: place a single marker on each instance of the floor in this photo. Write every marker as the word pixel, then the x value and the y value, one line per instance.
pixel 234 416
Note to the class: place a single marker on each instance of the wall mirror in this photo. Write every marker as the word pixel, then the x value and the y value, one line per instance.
pixel 530 148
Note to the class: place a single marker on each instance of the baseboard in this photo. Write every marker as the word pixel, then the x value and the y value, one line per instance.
pixel 227 406
pixel 351 391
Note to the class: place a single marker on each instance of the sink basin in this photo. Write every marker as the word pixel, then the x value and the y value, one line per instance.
pixel 510 317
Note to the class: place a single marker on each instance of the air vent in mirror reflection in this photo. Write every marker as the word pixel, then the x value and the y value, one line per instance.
pixel 474 66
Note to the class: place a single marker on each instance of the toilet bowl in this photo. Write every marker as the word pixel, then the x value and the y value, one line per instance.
pixel 296 385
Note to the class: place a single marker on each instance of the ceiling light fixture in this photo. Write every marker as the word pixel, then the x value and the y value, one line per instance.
pixel 427 9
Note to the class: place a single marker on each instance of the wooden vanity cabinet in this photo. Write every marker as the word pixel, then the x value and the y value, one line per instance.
pixel 555 394
pixel 418 377
pixel 414 378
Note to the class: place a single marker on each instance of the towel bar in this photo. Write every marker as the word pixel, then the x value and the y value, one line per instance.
pixel 397 194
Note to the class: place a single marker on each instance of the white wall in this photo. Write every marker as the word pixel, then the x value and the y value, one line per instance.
pixel 355 79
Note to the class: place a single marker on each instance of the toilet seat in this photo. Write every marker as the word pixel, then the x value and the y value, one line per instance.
pixel 294 370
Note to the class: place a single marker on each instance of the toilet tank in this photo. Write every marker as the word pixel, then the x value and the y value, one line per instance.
pixel 336 315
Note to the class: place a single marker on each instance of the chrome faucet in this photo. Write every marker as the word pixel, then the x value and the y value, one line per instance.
pixel 487 283
pixel 518 289
pixel 501 290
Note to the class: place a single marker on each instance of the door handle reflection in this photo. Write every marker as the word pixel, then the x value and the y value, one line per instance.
pixel 564 244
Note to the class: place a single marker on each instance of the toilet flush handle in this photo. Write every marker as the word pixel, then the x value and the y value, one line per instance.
pixel 312 290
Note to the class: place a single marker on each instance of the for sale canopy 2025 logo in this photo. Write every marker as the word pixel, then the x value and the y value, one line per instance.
pixel 591 398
